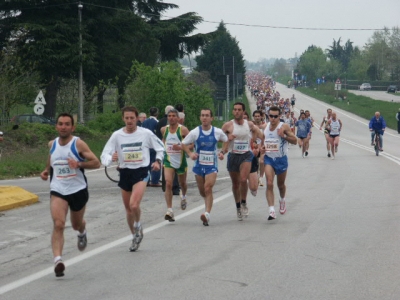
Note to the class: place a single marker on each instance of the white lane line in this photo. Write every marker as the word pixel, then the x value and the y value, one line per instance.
pixel 26 280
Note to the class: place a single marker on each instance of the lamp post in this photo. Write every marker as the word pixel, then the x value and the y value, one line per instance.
pixel 80 6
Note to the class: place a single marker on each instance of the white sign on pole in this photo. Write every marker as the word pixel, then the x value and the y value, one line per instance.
pixel 40 99
pixel 38 109
pixel 338 87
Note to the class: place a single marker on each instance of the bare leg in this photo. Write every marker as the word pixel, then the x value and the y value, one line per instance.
pixel 59 210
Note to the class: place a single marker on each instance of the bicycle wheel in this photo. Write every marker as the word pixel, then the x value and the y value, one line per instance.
pixel 376 146
pixel 112 172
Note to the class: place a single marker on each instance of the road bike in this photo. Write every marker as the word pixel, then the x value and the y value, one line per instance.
pixel 377 143
pixel 112 171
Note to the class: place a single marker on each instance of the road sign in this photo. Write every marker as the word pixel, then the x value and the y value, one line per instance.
pixel 338 86
pixel 338 81
pixel 40 98
pixel 38 109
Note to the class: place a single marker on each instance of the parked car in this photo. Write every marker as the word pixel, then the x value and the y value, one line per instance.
pixel 392 89
pixel 365 87
pixel 31 118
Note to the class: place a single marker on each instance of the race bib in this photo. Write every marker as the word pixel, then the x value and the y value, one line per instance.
pixel 206 158
pixel 170 150
pixel 133 155
pixel 240 147
pixel 271 145
pixel 62 170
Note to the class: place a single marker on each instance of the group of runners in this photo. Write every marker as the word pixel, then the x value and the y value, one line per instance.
pixel 254 148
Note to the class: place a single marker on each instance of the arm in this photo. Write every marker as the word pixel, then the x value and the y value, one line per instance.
pixel 255 130
pixel 108 154
pixel 187 144
pixel 285 133
pixel 226 128
pixel 45 173
pixel 341 125
pixel 322 123
pixel 91 161
pixel 158 146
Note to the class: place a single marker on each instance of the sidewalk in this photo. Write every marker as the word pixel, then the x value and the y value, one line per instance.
pixel 14 196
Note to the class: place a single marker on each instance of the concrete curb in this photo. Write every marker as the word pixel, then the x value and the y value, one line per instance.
pixel 14 196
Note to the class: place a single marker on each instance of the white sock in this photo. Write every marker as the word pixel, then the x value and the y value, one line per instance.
pixel 282 199
pixel 170 209
pixel 57 258
pixel 82 234
pixel 183 197
pixel 271 208
pixel 136 224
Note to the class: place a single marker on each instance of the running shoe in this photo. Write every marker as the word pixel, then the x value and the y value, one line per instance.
pixel 169 216
pixel 272 215
pixel 254 193
pixel 59 268
pixel 82 242
pixel 139 234
pixel 245 210
pixel 329 155
pixel 260 183
pixel 333 157
pixel 306 154
pixel 239 214
pixel 282 207
pixel 183 204
pixel 372 143
pixel 134 246
pixel 205 218
pixel 380 149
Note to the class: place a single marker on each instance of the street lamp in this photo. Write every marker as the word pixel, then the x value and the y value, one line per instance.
pixel 80 6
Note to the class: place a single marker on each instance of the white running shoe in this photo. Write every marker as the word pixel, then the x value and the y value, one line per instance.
pixel 282 207
pixel 245 210
pixel 272 215
pixel 239 214
pixel 205 218
pixel 260 183
pixel 169 216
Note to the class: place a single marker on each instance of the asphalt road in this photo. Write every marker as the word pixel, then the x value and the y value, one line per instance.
pixel 378 95
pixel 338 240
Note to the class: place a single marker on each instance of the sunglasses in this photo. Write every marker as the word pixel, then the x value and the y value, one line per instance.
pixel 274 116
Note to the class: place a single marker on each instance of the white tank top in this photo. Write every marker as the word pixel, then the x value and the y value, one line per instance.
pixel 65 180
pixel 335 127
pixel 173 156
pixel 241 144
pixel 275 146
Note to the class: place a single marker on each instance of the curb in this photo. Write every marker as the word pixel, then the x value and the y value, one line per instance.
pixel 14 196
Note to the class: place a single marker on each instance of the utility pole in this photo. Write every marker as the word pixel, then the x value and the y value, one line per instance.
pixel 80 6
pixel 233 77
pixel 227 98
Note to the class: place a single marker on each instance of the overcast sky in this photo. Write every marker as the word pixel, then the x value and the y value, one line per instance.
pixel 262 42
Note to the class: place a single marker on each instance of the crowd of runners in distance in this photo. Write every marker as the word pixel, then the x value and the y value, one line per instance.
pixel 263 89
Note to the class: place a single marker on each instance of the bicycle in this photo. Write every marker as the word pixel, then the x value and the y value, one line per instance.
pixel 112 171
pixel 377 142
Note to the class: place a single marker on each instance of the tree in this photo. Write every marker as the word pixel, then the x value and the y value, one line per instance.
pixel 221 55
pixel 312 63
pixel 174 33
pixel 165 85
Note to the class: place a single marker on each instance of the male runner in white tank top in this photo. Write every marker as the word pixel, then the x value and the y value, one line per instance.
pixel 239 132
pixel 68 158
pixel 277 135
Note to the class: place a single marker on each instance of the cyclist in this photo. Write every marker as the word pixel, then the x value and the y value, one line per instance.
pixel 377 124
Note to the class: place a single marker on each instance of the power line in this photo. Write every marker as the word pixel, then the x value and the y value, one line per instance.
pixel 215 22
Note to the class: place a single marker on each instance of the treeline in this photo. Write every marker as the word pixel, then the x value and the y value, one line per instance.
pixel 377 60
pixel 124 45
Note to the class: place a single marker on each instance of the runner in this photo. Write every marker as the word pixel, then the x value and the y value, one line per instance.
pixel 253 179
pixel 303 130
pixel 68 158
pixel 311 120
pixel 131 146
pixel 326 129
pixel 277 135
pixel 205 138
pixel 174 160
pixel 335 126
pixel 260 123
pixel 239 132
pixel 293 101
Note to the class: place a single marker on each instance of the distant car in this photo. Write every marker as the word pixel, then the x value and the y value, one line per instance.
pixel 365 87
pixel 392 89
pixel 31 118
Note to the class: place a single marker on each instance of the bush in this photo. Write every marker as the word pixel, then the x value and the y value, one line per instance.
pixel 106 123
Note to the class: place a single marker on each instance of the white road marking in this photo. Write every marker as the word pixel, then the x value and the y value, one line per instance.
pixel 26 280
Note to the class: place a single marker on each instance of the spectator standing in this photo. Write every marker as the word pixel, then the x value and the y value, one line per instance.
pixel 398 121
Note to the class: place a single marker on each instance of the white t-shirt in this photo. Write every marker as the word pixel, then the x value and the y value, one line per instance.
pixel 132 148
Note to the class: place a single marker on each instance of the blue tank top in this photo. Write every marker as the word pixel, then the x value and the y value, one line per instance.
pixel 206 147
